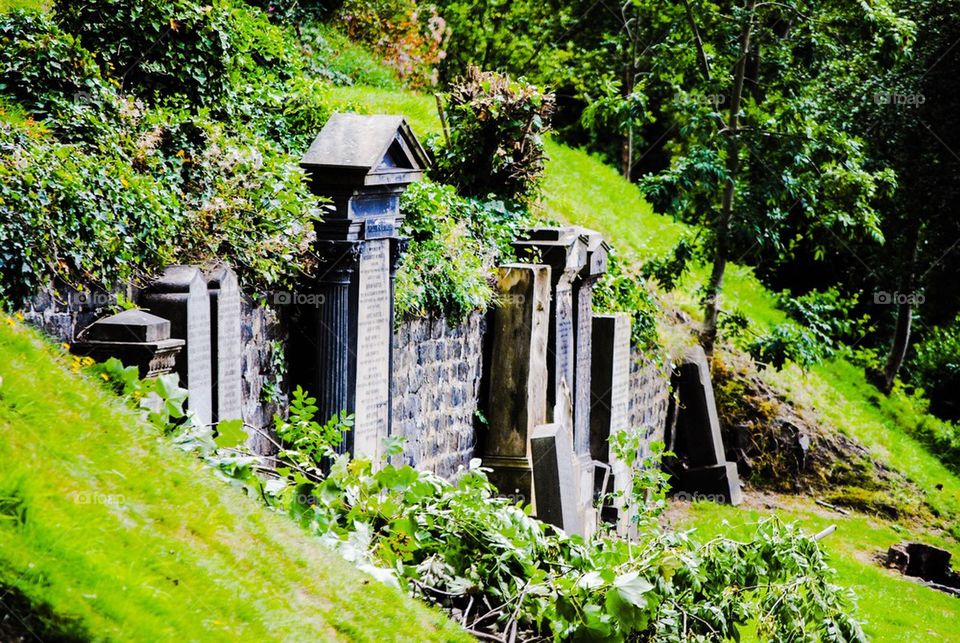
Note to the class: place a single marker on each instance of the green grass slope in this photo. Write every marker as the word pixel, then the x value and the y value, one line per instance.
pixel 124 537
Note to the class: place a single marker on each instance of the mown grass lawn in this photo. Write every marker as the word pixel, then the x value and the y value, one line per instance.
pixel 131 539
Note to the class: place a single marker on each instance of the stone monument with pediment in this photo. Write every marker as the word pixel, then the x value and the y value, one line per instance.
pixel 343 339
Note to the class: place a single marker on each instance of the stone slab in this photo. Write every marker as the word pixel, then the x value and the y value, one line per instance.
pixel 180 295
pixel 226 344
pixel 374 336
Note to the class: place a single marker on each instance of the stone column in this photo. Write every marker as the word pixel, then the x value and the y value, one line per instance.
pixel 344 340
pixel 517 375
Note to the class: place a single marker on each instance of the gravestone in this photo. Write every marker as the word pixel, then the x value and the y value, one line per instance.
pixel 696 434
pixel 135 337
pixel 610 381
pixel 517 375
pixel 566 253
pixel 226 344
pixel 180 295
pixel 342 341
pixel 555 478
pixel 610 391
pixel 593 268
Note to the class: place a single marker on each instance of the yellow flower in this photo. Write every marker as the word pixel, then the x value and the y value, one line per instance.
pixel 65 346
pixel 18 315
pixel 9 321
pixel 88 361
pixel 104 377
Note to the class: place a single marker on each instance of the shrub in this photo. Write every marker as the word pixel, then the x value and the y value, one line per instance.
pixel 822 326
pixel 496 129
pixel 620 290
pixel 162 48
pixel 454 245
pixel 935 366
pixel 408 36
pixel 75 215
pixel 47 72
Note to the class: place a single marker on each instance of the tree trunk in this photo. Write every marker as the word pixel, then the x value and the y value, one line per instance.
pixel 711 309
pixel 901 335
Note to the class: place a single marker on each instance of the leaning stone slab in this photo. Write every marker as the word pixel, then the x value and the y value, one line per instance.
pixel 697 434
pixel 180 295
pixel 555 478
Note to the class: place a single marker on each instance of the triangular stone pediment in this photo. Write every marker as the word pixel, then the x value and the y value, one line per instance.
pixel 363 150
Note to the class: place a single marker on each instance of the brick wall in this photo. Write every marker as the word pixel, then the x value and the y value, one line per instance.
pixel 436 382
pixel 649 396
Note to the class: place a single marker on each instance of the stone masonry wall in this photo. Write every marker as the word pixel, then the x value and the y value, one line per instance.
pixel 649 396
pixel 63 312
pixel 436 384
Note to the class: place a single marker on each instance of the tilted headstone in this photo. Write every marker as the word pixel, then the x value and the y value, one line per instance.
pixel 342 342
pixel 517 375
pixel 555 477
pixel 226 343
pixel 180 295
pixel 135 337
pixel 697 433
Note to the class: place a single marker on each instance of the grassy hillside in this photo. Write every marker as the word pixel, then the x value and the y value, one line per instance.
pixel 125 537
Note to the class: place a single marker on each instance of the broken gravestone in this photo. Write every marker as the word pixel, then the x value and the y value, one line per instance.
pixel 703 471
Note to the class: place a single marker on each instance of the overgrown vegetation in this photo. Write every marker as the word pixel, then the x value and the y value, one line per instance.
pixel 179 141
pixel 460 546
pixel 455 244
pixel 494 136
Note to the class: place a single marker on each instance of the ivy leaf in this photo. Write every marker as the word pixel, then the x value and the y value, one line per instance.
pixel 230 434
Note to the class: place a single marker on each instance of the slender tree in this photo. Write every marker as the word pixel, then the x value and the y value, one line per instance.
pixel 759 144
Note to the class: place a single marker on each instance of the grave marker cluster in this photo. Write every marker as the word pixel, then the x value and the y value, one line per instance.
pixel 558 376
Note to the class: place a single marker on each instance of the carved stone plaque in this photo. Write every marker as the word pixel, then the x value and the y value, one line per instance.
pixel 374 333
